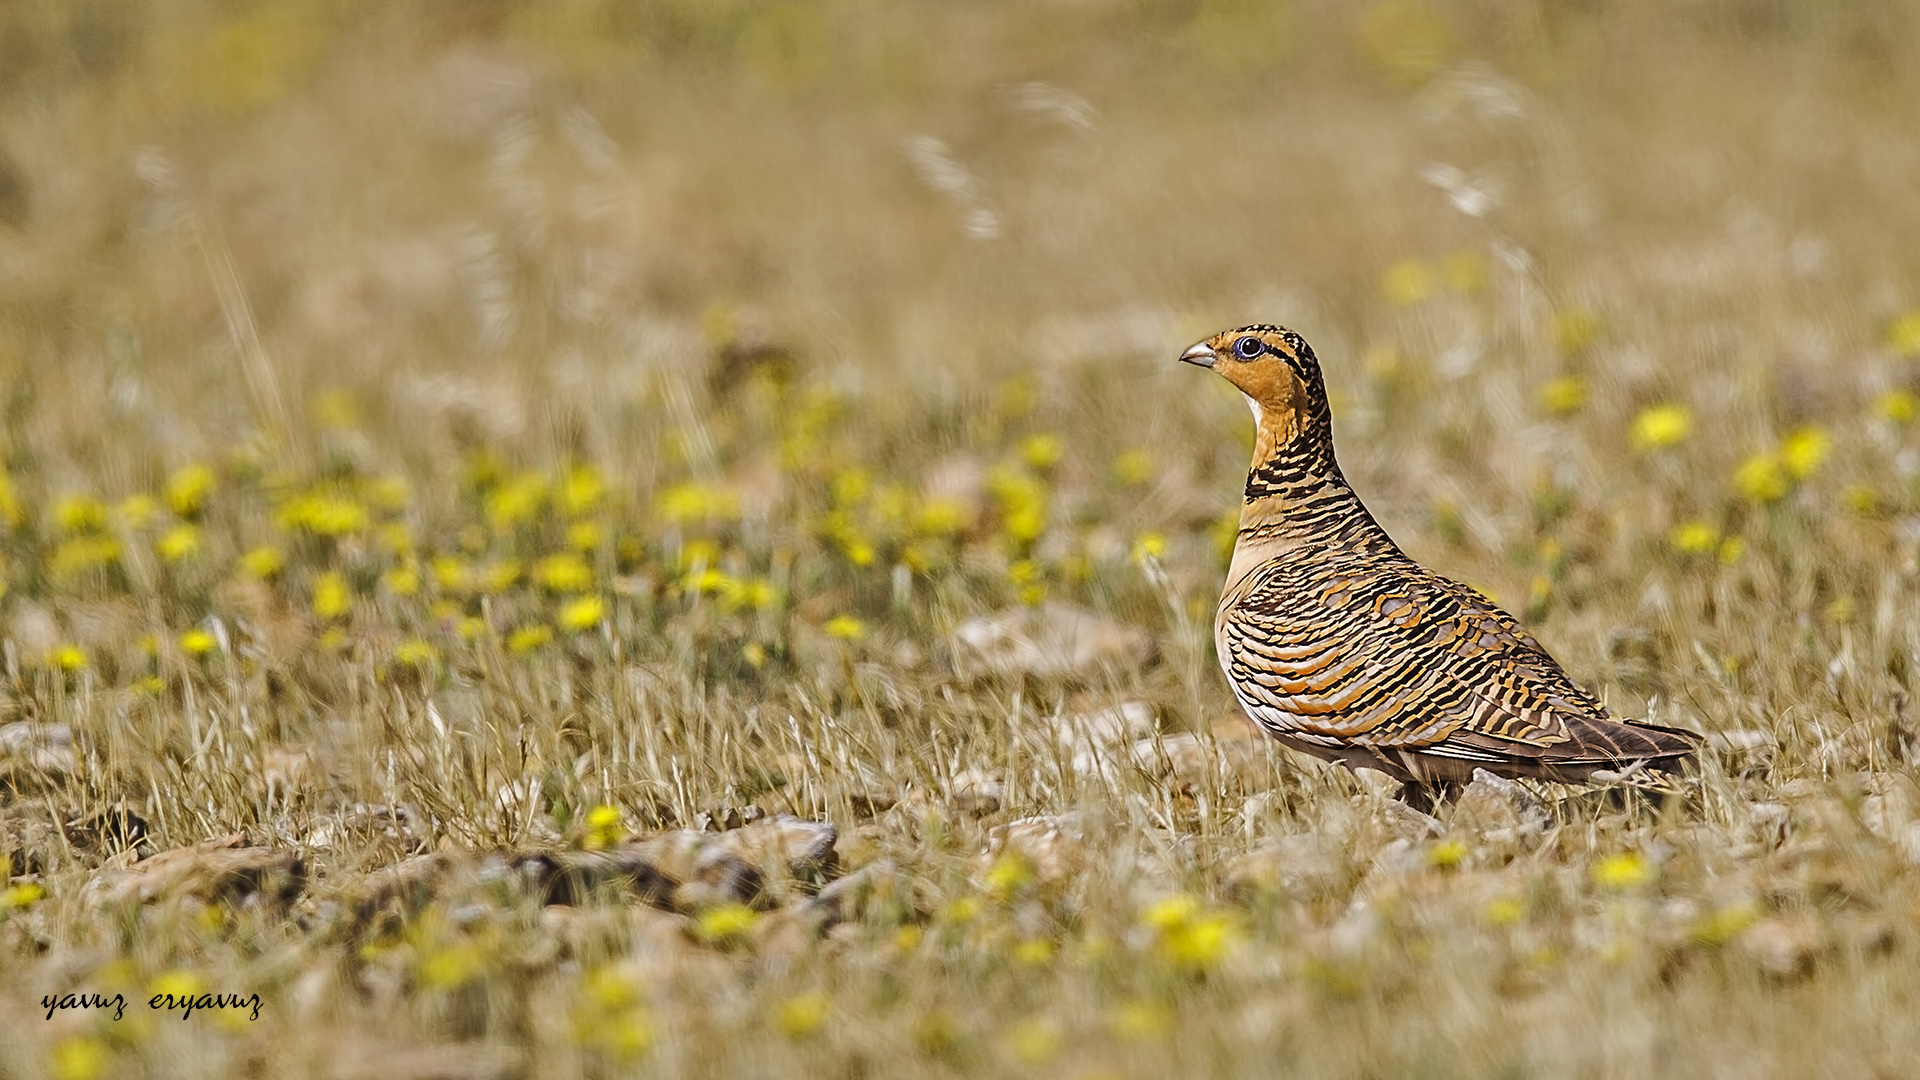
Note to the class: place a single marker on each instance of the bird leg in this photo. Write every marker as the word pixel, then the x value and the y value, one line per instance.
pixel 1425 796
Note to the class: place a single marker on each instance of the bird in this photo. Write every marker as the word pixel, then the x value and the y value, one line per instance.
pixel 1337 644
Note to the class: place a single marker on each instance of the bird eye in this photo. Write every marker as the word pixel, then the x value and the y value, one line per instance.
pixel 1248 347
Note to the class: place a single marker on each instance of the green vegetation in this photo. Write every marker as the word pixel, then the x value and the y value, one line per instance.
pixel 492 474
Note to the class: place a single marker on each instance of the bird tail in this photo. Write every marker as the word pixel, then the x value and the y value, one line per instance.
pixel 1618 751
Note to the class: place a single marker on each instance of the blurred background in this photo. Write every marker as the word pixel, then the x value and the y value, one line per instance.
pixel 221 208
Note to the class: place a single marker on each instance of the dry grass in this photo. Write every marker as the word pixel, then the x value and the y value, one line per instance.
pixel 512 431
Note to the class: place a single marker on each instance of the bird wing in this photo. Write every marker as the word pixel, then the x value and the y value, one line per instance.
pixel 1382 653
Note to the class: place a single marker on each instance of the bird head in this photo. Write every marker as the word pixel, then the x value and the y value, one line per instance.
pixel 1275 369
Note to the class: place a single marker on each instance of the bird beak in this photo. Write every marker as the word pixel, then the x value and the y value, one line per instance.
pixel 1201 354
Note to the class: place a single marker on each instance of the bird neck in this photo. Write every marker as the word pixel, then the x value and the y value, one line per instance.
pixel 1297 500
pixel 1291 453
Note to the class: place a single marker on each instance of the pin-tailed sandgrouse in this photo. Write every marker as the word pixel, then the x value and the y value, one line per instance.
pixel 1339 645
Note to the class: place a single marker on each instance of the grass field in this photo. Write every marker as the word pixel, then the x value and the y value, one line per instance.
pixel 586 538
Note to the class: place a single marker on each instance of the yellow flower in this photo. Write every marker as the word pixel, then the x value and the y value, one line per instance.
pixel 1625 870
pixel 563 572
pixel 78 1057
pixel 1023 503
pixel 604 828
pixel 802 1015
pixel 79 513
pixel 402 580
pixel 1447 854
pixel 1693 538
pixel 1029 584
pixel 414 652
pixel 1661 426
pixel 1149 545
pixel 1860 499
pixel 849 486
pixel 1406 283
pixel 1763 478
pixel 448 966
pixel 858 551
pixel 1903 334
pixel 699 552
pixel 1008 875
pixel 516 500
pixel 68 657
pixel 1187 936
pixel 1575 330
pixel 137 511
pixel 396 537
pixel 1731 549
pixel 585 535
pixel 498 577
pixel 1134 467
pixel 756 593
pixel 940 517
pixel 11 513
pixel 180 543
pixel 331 599
pixel 1041 452
pixel 1804 450
pixel 529 638
pixel 1201 944
pixel 78 554
pixel 1170 912
pixel 198 642
pixel 1724 925
pixel 323 514
pixel 580 490
pixel 262 563
pixel 624 1036
pixel 711 580
pixel 845 627
pixel 726 924
pixel 1034 952
pixel 21 896
pixel 389 493
pixel 961 911
pixel 450 574
pixel 178 982
pixel 188 488
pixel 582 614
pixel 687 503
pixel 734 593
pixel 1565 395
pixel 1504 911
pixel 1899 406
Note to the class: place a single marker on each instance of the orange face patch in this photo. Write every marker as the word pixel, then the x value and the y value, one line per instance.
pixel 1267 378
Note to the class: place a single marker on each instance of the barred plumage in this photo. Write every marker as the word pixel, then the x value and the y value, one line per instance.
pixel 1339 645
